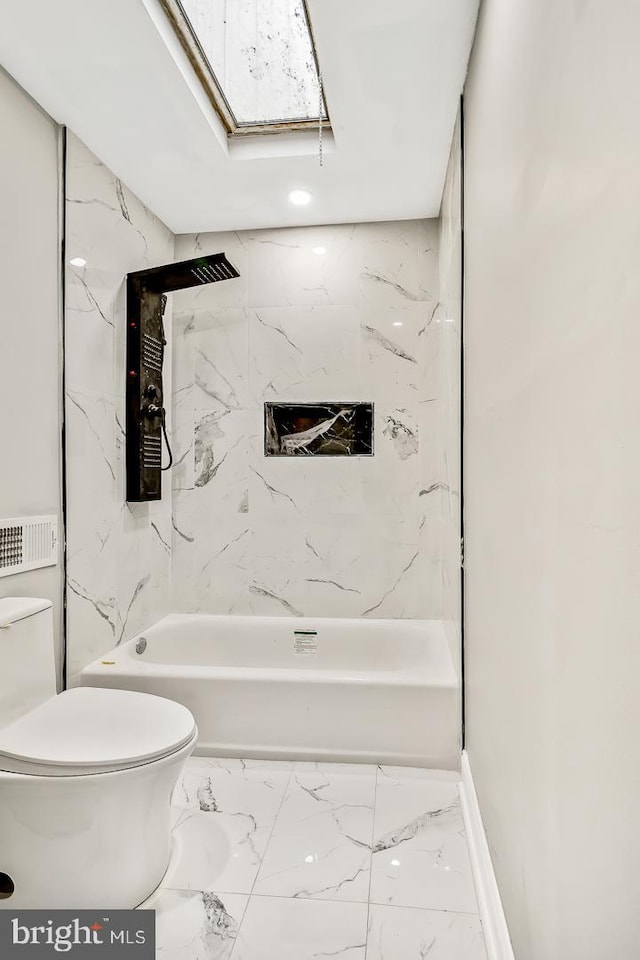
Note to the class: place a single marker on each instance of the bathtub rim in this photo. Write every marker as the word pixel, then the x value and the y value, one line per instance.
pixel 436 671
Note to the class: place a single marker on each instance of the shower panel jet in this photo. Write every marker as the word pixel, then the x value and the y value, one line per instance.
pixel 146 342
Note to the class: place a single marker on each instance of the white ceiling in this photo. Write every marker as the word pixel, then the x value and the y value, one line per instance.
pixel 393 71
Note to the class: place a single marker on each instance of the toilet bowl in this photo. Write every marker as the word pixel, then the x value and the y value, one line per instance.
pixel 86 778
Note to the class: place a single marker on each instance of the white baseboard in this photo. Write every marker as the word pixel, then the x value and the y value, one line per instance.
pixel 494 925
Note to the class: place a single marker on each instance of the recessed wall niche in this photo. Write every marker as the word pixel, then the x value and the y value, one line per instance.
pixel 318 429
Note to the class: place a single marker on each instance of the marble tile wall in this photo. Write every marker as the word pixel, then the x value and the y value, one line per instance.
pixel 449 351
pixel 119 554
pixel 316 537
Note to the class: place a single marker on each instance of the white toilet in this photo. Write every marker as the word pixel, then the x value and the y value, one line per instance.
pixel 85 778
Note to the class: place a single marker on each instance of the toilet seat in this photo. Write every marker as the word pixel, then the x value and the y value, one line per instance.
pixel 90 730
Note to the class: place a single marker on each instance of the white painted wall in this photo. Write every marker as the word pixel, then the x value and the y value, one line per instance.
pixel 29 329
pixel 552 472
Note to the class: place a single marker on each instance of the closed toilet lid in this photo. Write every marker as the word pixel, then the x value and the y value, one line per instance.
pixel 94 730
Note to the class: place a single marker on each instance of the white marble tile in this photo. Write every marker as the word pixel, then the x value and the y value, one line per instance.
pixel 224 813
pixel 90 319
pixel 212 850
pixel 183 439
pixel 306 568
pixel 321 843
pixel 95 436
pixel 182 405
pixel 323 536
pixel 119 556
pixel 276 585
pixel 236 780
pixel 106 223
pixel 394 571
pixel 324 825
pixel 183 548
pixel 391 480
pixel 303 488
pixel 287 929
pixel 108 599
pixel 94 620
pixel 343 563
pixel 401 933
pixel 221 460
pixel 284 270
pixel 394 353
pixel 420 856
pixel 220 352
pixel 196 925
pixel 217 562
pixel 305 353
pixel 399 263
pixel 143 578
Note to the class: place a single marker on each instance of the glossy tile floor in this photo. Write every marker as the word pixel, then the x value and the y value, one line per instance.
pixel 298 861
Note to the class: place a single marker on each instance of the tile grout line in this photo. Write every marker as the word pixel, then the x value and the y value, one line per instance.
pixel 273 826
pixel 373 833
pixel 246 906
pixel 264 853
pixel 216 763
pixel 250 894
pixel 378 772
pixel 282 896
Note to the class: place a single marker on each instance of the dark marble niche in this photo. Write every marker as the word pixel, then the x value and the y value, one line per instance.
pixel 318 429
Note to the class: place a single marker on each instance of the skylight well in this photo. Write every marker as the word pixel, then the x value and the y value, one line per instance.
pixel 256 59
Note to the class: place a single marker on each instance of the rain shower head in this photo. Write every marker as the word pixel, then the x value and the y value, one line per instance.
pixel 186 273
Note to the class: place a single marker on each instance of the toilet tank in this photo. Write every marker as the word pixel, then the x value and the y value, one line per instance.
pixel 27 659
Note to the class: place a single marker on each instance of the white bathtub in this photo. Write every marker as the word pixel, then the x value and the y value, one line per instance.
pixel 359 690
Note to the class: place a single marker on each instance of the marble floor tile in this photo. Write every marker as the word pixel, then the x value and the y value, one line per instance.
pixel 229 775
pixel 276 928
pixel 224 811
pixel 420 856
pixel 191 925
pixel 321 842
pixel 404 933
pixel 291 844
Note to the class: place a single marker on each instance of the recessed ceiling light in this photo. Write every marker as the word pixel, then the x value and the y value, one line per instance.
pixel 397 323
pixel 320 251
pixel 78 262
pixel 300 197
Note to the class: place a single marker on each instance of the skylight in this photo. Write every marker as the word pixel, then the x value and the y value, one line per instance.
pixel 256 59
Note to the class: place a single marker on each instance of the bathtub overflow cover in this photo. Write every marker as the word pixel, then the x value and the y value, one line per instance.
pixel 141 645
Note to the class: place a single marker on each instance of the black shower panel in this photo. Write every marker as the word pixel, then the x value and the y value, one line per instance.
pixel 146 343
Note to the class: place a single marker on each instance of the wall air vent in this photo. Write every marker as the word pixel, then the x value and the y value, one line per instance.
pixel 27 543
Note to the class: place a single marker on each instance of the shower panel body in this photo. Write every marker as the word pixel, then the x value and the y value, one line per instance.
pixel 146 342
